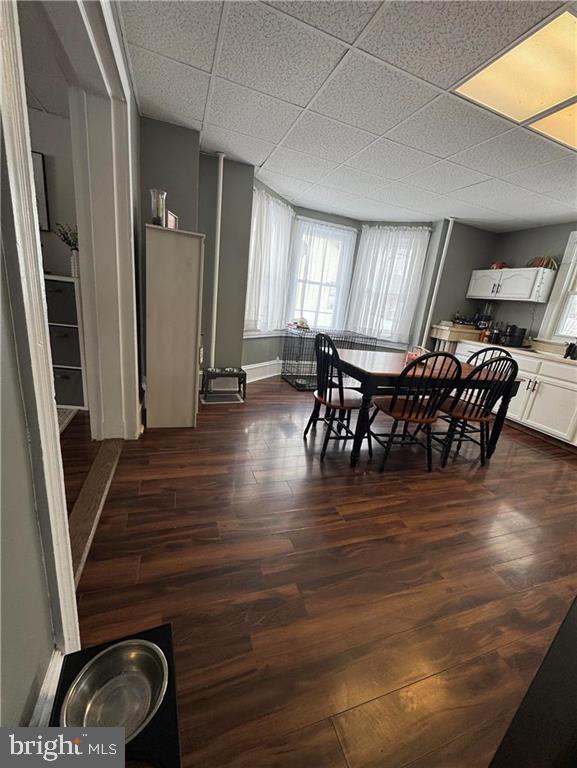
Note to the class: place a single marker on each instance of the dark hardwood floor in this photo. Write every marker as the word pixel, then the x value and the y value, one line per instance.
pixel 334 618
pixel 78 452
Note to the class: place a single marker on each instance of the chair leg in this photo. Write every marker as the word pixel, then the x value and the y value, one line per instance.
pixel 483 442
pixel 461 437
pixel 388 445
pixel 328 429
pixel 312 422
pixel 448 441
pixel 429 448
pixel 370 444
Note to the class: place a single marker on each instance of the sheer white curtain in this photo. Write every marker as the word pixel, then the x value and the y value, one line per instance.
pixel 320 272
pixel 268 267
pixel 387 280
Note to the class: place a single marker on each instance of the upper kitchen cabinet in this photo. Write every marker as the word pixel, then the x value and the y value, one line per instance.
pixel 524 284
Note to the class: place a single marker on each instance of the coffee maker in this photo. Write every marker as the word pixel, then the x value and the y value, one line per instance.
pixel 513 336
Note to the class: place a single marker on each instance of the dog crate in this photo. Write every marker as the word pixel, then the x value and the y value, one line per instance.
pixel 299 366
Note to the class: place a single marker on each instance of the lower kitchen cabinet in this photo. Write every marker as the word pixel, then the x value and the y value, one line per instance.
pixel 547 396
pixel 552 408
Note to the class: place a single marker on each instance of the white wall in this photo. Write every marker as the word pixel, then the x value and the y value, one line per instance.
pixel 27 638
pixel 50 135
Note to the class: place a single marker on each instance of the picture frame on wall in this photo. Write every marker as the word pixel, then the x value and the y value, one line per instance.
pixel 41 193
pixel 171 220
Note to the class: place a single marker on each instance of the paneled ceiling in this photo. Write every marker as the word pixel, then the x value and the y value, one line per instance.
pixel 345 106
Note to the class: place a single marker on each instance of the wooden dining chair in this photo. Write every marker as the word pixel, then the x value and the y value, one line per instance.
pixel 421 388
pixel 486 354
pixel 339 401
pixel 470 410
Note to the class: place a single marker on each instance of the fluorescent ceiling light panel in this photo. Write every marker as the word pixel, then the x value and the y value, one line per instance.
pixel 561 125
pixel 536 74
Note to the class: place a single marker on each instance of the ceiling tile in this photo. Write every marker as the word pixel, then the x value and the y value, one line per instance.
pixel 299 166
pixel 345 19
pixel 373 210
pixel 168 89
pixel 354 181
pixel 444 41
pixel 275 54
pixel 448 125
pixel 326 138
pixel 444 177
pixel 510 200
pixel 236 146
pixel 557 179
pixel 390 160
pixel 283 185
pixel 183 31
pixel 408 197
pixel 371 95
pixel 510 152
pixel 241 109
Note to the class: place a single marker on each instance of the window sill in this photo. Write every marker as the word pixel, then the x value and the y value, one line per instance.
pixel 263 334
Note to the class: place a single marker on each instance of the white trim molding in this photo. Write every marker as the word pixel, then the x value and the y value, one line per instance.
pixel 566 276
pixel 45 701
pixel 27 296
pixel 266 370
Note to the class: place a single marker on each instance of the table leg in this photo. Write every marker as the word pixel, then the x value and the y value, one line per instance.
pixel 361 428
pixel 498 424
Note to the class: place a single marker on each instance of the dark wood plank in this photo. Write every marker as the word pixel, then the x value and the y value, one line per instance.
pixel 408 610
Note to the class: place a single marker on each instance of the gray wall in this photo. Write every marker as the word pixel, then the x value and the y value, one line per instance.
pixel 50 134
pixel 234 252
pixel 469 248
pixel 261 350
pixel 517 249
pixel 169 161
pixel 27 637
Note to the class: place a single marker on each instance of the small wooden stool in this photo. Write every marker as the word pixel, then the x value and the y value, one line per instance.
pixel 210 374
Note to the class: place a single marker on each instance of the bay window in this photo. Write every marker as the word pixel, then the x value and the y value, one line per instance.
pixel 321 266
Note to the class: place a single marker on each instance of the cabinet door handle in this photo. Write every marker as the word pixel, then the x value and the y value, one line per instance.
pixel 498 288
pixel 529 384
pixel 493 287
pixel 535 384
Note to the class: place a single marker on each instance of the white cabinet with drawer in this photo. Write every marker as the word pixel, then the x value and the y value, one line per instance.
pixel 523 284
pixel 547 395
pixel 552 408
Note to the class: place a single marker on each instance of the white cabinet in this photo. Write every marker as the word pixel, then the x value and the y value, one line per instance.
pixel 552 408
pixel 547 396
pixel 483 284
pixel 524 284
pixel 517 284
pixel 174 264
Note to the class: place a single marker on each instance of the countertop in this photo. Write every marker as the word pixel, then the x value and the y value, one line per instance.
pixel 526 351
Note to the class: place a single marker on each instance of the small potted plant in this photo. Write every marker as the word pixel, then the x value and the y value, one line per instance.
pixel 69 236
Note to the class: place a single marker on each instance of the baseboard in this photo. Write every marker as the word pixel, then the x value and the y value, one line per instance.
pixel 86 511
pixel 266 370
pixel 43 707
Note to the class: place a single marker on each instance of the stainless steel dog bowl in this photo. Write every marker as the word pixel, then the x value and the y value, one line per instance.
pixel 122 686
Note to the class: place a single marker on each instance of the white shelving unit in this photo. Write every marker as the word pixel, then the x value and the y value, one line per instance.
pixel 66 340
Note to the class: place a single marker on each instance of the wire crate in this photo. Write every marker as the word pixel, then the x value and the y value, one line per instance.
pixel 299 365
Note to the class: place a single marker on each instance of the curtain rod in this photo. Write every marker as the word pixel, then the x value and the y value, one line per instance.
pixel 327 223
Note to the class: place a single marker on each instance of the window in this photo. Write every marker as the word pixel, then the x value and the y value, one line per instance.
pixel 567 325
pixel 268 266
pixel 321 264
pixel 387 281
pixel 560 320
